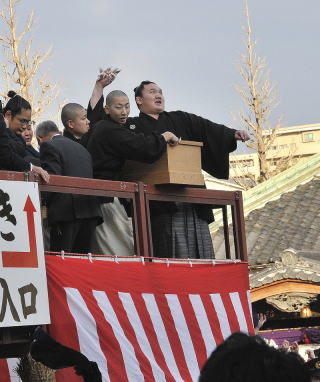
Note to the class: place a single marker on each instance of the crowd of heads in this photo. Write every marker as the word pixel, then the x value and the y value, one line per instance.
pixel 17 112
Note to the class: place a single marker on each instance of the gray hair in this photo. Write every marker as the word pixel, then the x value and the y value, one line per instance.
pixel 69 112
pixel 113 94
pixel 45 128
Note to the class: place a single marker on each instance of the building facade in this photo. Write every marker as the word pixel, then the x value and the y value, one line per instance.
pixel 291 144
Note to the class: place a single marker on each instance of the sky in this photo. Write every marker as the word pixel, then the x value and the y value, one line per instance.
pixel 190 48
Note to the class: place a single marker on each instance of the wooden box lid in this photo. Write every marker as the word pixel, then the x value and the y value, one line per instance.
pixel 180 164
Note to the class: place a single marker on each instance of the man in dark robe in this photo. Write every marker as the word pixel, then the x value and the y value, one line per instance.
pixel 110 145
pixel 179 230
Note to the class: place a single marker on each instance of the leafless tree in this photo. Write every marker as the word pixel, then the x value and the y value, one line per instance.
pixel 21 63
pixel 260 97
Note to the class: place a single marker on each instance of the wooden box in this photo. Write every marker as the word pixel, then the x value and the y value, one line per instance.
pixel 180 164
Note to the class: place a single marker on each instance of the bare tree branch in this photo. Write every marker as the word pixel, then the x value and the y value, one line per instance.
pixel 21 64
pixel 260 97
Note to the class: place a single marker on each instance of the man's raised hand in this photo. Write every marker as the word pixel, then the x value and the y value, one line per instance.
pixel 106 76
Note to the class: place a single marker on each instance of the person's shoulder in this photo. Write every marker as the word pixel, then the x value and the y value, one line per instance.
pixel 176 113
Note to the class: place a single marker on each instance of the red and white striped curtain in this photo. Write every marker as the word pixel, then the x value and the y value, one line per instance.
pixel 146 322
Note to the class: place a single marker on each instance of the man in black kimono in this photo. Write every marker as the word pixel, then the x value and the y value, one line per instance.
pixel 180 230
pixel 110 145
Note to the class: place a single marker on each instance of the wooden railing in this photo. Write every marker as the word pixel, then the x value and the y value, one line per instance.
pixel 141 195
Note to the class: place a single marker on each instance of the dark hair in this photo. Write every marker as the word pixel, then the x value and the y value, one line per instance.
pixel 248 358
pixel 15 104
pixel 313 368
pixel 138 90
pixel 45 128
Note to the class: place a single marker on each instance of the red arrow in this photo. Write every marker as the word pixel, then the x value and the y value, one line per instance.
pixel 24 259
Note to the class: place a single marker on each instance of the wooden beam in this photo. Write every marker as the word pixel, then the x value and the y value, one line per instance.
pixel 283 286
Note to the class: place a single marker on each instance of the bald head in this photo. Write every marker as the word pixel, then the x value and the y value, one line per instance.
pixel 114 94
pixel 74 119
pixel 70 112
pixel 117 106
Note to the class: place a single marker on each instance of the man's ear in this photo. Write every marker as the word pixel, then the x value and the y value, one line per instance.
pixel 70 124
pixel 107 109
pixel 139 100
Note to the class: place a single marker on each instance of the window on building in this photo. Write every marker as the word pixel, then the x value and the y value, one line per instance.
pixel 307 137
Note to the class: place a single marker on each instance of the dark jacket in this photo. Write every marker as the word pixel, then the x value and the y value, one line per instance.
pixel 62 156
pixel 9 158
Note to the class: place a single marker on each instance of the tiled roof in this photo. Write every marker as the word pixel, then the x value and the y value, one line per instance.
pixel 292 221
pixel 274 187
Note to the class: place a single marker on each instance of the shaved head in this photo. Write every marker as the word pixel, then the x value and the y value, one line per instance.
pixel 114 94
pixel 70 112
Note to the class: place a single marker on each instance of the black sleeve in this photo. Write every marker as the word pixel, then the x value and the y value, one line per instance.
pixel 139 147
pixel 97 114
pixel 218 142
pixel 9 160
pixel 50 159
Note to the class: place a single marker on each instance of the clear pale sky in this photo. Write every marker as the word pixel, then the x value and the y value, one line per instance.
pixel 188 47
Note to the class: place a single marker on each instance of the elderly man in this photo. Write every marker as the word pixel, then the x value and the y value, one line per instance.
pixel 179 230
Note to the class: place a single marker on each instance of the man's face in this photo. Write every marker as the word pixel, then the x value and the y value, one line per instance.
pixel 119 109
pixel 80 125
pixel 27 134
pixel 152 100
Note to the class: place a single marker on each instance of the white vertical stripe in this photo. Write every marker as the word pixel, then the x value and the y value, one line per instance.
pixel 222 315
pixel 161 334
pixel 203 322
pixel 12 365
pixel 236 302
pixel 142 339
pixel 249 303
pixel 131 363
pixel 184 335
pixel 87 331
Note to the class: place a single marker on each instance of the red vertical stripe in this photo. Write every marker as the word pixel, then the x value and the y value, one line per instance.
pixel 173 337
pixel 4 371
pixel 213 318
pixel 232 316
pixel 194 330
pixel 246 310
pixel 152 336
pixel 144 362
pixel 108 342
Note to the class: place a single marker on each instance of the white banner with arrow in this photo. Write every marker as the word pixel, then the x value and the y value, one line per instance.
pixel 23 281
